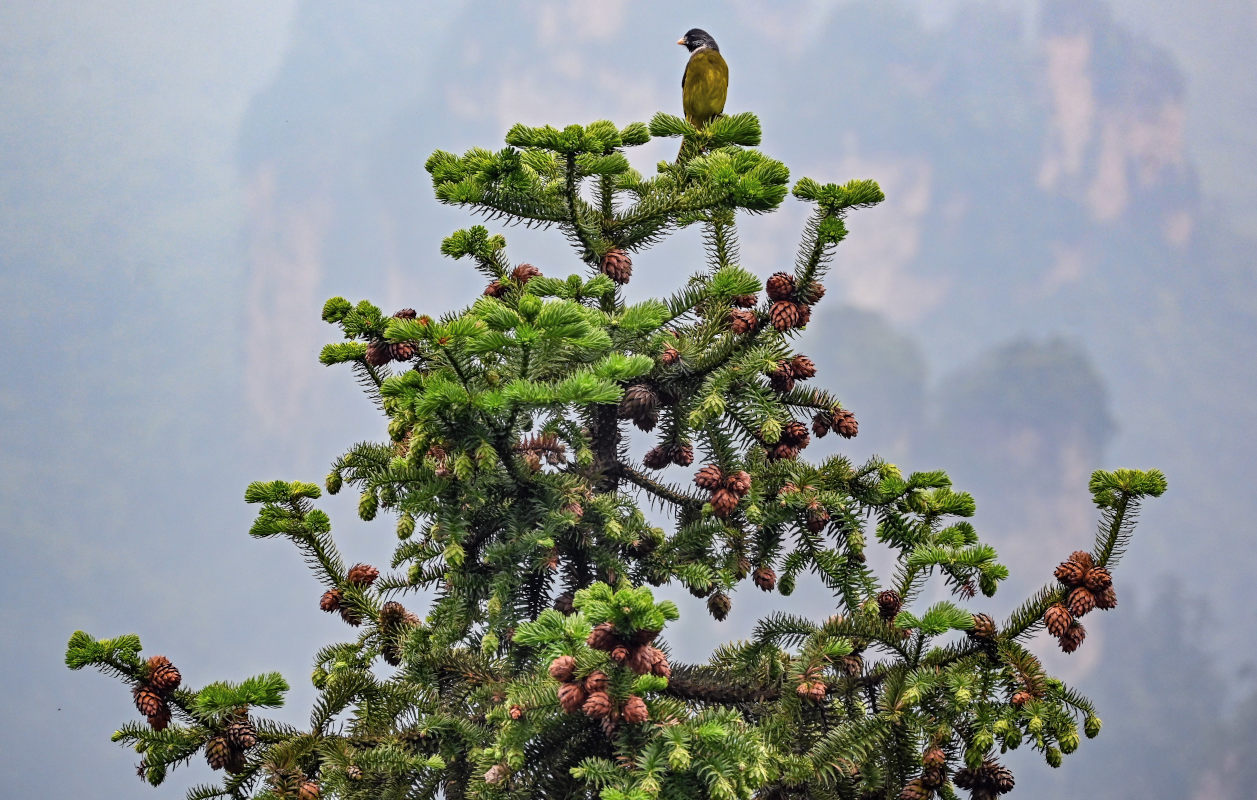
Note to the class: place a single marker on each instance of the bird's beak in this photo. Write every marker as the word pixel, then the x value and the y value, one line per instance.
pixel 681 41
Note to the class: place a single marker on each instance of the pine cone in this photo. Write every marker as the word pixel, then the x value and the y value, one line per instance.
pixel 378 353
pixel 495 289
pixel 405 313
pixel 496 774
pixel 350 616
pixel 1107 599
pixel 821 424
pixel 723 503
pixel 643 658
pixel 718 605
pixel 635 711
pixel 765 578
pixel 845 423
pixel 391 653
pixel 309 791
pixel 785 314
pixel 805 315
pixel 1081 600
pixel 682 454
pixel 1072 637
pixel 661 668
pixel 1070 573
pixel 240 734
pixel 745 300
pixel 780 286
pixel 163 675
pixel 657 457
pixel 1098 579
pixel 670 356
pixel 852 664
pixel 392 614
pixel 1083 558
pixel 524 273
pixel 999 776
pixel 603 637
pixel 817 691
pixel 933 777
pixel 795 433
pixel 743 322
pixel 362 574
pixel 147 701
pixel 353 772
pixel 617 265
pixel 803 690
pixel 565 603
pixel 781 378
pixel 561 668
pixel 161 719
pixel 330 601
pixel 515 712
pixel 571 697
pixel 889 604
pixel 402 351
pixel 983 627
pixel 739 483
pixel 640 404
pixel 217 752
pixel 781 451
pixel 802 367
pixel 816 517
pixel 645 635
pixel 914 790
pixel 620 653
pixel 1057 619
pixel 1019 699
pixel 595 681
pixel 934 757
pixel 597 705
pixel 814 292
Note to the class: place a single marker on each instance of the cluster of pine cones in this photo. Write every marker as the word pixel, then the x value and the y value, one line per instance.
pixel 1089 586
pixel 987 782
pixel 799 368
pixel 838 419
pixel 382 351
pixel 812 687
pixel 726 490
pixel 160 679
pixel 792 304
pixel 519 276
pixel 293 783
pixel 660 456
pixel 933 776
pixel 333 599
pixel 544 445
pixel 227 749
pixel 589 694
pixel 794 437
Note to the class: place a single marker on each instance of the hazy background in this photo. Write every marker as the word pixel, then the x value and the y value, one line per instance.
pixel 1061 278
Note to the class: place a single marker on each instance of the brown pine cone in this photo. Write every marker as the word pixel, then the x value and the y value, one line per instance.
pixel 1081 600
pixel 814 292
pixel 802 367
pixel 889 604
pixel 661 668
pixel 1070 573
pixel 718 605
pixel 561 668
pixel 515 712
pixel 1019 699
pixel 739 483
pixel 391 653
pixel 821 424
pixel 782 451
pixel 785 314
pixel 803 690
pixel 362 574
pixel 645 636
pixel 845 423
pixel 619 654
pixel 640 404
pixel 147 700
pixel 571 697
pixel 966 778
pixel 161 719
pixel 1098 579
pixel 670 356
pixel 402 351
pixel 163 675
pixel 914 790
pixel 781 378
pixel 1107 598
pixel 617 265
pixel 723 503
pixel 353 772
pixel 379 353
pixel 405 313
pixel 852 664
pixel 240 734
pixel 330 601
pixel 765 578
pixel 682 454
pixel 1072 637
pixel 743 322
pixel 933 777
pixel 565 603
pixel 643 658
pixel 596 681
pixel 780 286
pixel 1057 619
pixel 999 776
pixel 309 791
pixel 597 705
pixel 217 752
pixel 603 637
pixel 805 315
pixel 524 273
pixel 818 691
pixel 392 614
pixel 983 627
pixel 350 616
pixel 745 300
pixel 634 711
pixel 795 433
pixel 657 457
pixel 1083 558
pixel 934 757
pixel 816 517
pixel 495 289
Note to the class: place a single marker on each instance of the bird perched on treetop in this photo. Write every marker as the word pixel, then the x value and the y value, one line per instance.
pixel 706 79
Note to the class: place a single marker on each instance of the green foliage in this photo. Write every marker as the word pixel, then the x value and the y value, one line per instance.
pixel 518 506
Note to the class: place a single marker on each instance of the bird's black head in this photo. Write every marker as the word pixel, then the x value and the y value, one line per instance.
pixel 696 38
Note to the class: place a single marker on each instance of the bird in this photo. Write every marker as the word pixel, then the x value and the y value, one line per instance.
pixel 706 79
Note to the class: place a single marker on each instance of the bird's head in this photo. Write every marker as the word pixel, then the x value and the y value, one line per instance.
pixel 697 39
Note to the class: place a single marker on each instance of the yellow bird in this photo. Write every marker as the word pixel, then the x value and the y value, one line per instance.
pixel 706 79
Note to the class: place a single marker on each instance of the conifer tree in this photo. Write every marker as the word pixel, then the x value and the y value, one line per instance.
pixel 542 669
